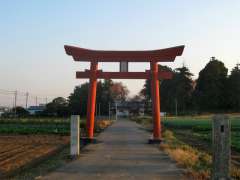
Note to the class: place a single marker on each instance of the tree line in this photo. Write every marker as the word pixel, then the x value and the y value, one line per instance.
pixel 107 93
pixel 213 91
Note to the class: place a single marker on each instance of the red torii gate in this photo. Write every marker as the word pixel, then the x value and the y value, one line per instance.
pixel 152 56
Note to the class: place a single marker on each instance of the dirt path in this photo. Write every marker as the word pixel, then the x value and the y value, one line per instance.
pixel 123 153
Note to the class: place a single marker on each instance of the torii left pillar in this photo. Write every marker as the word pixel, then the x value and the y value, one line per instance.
pixel 92 100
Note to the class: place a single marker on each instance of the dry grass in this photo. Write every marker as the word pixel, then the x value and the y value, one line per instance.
pixel 104 123
pixel 235 172
pixel 183 157
pixel 197 163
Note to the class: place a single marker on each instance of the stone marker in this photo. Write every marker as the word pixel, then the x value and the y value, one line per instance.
pixel 221 147
pixel 75 135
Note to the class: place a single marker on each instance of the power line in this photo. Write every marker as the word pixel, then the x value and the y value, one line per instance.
pixel 26 98
pixel 7 91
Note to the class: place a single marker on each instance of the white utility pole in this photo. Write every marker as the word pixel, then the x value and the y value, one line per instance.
pixel 27 94
pixel 15 103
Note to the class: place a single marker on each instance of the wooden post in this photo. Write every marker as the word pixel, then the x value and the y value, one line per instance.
pixel 221 147
pixel 75 135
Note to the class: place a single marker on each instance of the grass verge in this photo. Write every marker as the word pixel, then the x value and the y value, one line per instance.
pixel 197 163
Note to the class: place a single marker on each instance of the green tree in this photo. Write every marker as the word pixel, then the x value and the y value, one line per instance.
pixel 20 111
pixel 146 90
pixel 234 89
pixel 179 89
pixel 165 92
pixel 107 91
pixel 78 99
pixel 182 89
pixel 104 96
pixel 58 107
pixel 210 91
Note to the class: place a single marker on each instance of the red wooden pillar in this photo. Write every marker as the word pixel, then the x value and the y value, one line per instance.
pixel 155 102
pixel 92 99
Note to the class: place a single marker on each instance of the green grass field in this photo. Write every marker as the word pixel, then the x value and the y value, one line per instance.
pixel 37 126
pixel 201 127
pixel 42 125
pixel 197 127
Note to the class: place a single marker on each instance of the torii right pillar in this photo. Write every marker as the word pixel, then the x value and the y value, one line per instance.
pixel 157 135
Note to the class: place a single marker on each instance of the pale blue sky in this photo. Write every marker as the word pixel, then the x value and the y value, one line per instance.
pixel 33 33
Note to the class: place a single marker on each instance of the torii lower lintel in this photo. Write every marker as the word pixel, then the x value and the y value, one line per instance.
pixel 123 75
pixel 153 57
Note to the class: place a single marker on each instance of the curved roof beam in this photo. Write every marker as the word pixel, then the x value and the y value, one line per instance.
pixel 159 55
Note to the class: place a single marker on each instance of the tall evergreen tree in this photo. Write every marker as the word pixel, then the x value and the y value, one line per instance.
pixel 167 91
pixel 210 92
pixel 165 94
pixel 183 87
pixel 234 89
pixel 178 89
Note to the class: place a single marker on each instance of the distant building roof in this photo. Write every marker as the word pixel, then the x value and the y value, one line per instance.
pixel 36 108
pixel 4 109
pixel 130 105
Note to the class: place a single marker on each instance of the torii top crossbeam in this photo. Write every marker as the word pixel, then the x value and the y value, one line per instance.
pixel 160 55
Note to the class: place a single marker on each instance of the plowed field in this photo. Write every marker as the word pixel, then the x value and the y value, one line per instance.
pixel 18 151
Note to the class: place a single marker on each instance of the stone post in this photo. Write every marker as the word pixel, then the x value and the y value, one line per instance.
pixel 74 150
pixel 221 147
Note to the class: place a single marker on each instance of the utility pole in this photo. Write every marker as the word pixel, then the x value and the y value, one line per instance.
pixel 15 103
pixel 27 94
pixel 176 107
